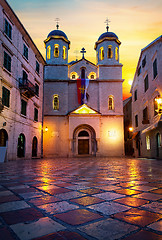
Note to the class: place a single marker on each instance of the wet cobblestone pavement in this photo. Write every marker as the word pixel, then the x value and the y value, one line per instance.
pixel 78 199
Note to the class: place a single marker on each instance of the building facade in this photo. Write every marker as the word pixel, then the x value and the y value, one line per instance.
pixel 146 102
pixel 21 89
pixel 83 107
pixel 127 109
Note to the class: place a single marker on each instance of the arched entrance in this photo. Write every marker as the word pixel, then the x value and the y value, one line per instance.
pixel 21 146
pixel 34 147
pixel 3 138
pixel 158 143
pixel 84 141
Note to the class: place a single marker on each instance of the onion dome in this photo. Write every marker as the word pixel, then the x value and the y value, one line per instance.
pixel 57 33
pixel 109 36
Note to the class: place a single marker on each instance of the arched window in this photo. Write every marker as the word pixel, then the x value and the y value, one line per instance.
pixel 56 50
pixel 73 75
pixel 56 102
pixel 64 53
pixel 21 146
pixel 110 103
pixel 92 76
pixel 109 52
pixel 101 53
pixel 48 52
pixel 83 73
pixel 116 54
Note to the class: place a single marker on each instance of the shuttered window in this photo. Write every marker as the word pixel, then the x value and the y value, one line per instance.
pixel 5 97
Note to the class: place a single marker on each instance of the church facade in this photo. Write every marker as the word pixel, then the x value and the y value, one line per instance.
pixel 83 105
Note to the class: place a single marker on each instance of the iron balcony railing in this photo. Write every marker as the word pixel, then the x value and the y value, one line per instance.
pixel 27 88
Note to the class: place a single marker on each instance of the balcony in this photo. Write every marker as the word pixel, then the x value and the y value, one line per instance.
pixel 26 88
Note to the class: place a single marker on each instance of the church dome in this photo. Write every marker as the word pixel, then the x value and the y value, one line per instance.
pixel 107 35
pixel 57 33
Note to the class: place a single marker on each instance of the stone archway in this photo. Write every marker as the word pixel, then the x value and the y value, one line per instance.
pixel 84 140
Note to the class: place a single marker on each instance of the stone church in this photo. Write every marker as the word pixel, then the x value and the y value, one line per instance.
pixel 83 105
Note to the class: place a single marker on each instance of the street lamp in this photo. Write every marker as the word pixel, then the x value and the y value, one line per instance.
pixel 46 129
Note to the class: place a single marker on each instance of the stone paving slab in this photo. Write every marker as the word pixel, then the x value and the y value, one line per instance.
pixel 108 229
pixel 36 229
pixel 81 199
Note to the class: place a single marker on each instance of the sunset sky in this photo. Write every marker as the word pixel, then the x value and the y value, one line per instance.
pixel 136 23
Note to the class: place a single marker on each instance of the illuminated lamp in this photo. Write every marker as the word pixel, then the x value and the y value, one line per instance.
pixel 46 129
pixel 130 129
pixel 159 104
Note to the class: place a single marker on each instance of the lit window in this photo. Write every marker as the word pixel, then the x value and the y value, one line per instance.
pixel 64 53
pixel 48 52
pixel 111 103
pixel 92 76
pixel 73 75
pixel 155 106
pixel 56 51
pixel 8 29
pixel 101 53
pixel 148 142
pixel 109 52
pixel 116 54
pixel 56 102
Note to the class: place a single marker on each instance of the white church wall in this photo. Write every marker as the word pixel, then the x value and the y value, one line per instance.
pixel 56 72
pixel 110 72
pixel 107 89
pixel 111 138
pixel 55 140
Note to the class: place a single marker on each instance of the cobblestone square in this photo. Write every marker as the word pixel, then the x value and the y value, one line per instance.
pixel 81 198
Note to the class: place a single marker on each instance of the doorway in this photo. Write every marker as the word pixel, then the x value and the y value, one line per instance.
pixel 158 143
pixel 34 147
pixel 21 146
pixel 83 142
pixel 3 138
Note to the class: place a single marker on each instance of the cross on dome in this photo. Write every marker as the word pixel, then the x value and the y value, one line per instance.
pixel 83 51
pixel 57 22
pixel 107 24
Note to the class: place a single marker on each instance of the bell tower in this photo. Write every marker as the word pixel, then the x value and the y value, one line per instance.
pixel 57 46
pixel 107 48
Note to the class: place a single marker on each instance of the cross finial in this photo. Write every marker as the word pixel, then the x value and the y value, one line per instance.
pixel 57 22
pixel 83 51
pixel 107 24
